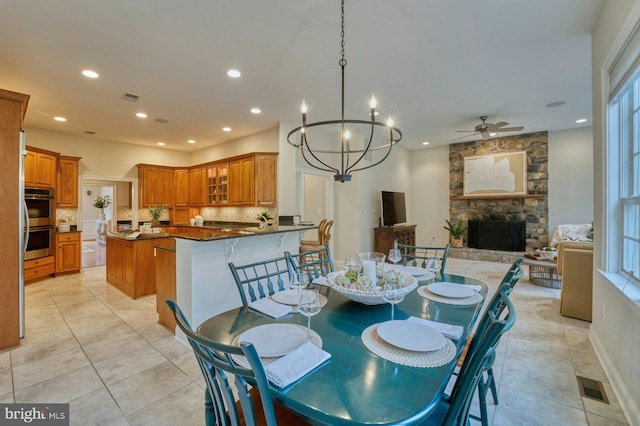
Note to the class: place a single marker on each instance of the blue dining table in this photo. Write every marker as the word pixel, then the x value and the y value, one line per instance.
pixel 357 387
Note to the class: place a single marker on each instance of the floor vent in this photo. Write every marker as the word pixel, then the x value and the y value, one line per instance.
pixel 592 389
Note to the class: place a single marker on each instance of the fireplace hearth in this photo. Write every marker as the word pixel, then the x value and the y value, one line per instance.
pixel 497 235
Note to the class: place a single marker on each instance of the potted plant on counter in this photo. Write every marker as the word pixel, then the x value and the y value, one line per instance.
pixel 264 219
pixel 155 212
pixel 456 230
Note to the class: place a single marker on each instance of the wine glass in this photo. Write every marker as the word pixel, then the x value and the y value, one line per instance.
pixel 433 264
pixel 391 295
pixel 394 255
pixel 299 280
pixel 309 305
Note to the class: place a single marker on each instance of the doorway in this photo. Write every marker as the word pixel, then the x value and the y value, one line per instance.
pixel 316 199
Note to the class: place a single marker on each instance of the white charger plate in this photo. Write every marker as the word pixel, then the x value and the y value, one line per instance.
pixel 411 270
pixel 274 340
pixel 290 297
pixel 411 336
pixel 452 290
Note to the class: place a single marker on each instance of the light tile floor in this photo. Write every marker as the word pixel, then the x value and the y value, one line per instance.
pixel 88 344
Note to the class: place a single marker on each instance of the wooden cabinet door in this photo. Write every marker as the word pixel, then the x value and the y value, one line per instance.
pixel 217 188
pixel 148 186
pixel 181 187
pixel 266 180
pixel 45 170
pixel 67 252
pixel 67 182
pixel 198 186
pixel 235 183
pixel 30 169
pixel 165 186
pixel 248 182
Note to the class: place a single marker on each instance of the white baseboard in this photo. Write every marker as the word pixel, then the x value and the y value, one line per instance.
pixel 626 400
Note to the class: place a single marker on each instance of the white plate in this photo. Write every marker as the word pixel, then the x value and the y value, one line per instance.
pixel 411 336
pixel 452 290
pixel 273 340
pixel 290 297
pixel 411 270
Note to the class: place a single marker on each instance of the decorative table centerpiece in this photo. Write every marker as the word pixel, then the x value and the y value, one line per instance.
pixel 101 203
pixel 366 282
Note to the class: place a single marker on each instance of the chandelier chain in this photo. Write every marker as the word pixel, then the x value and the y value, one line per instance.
pixel 343 61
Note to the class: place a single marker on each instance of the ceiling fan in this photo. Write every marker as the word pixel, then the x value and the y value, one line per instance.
pixel 488 130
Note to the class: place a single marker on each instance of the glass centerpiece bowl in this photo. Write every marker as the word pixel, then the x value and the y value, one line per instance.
pixel 367 285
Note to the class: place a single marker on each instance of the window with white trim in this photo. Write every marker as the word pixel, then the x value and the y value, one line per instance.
pixel 624 135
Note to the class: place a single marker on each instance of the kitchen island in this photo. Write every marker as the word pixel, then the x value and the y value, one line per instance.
pixel 204 284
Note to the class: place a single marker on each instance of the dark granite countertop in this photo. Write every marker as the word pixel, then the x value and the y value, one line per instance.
pixel 210 233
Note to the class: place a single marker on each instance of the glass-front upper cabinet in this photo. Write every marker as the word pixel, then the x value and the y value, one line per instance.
pixel 217 187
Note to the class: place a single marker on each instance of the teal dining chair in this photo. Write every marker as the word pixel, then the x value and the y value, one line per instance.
pixel 223 376
pixel 418 255
pixel 315 263
pixel 261 279
pixel 453 410
pixel 494 308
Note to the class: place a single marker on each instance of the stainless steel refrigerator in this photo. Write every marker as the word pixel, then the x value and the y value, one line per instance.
pixel 24 230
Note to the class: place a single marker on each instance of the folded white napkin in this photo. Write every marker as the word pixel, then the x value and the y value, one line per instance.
pixel 474 287
pixel 320 281
pixel 270 308
pixel 295 365
pixel 451 331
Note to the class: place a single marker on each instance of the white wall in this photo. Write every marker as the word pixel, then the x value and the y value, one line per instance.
pixel 570 177
pixel 615 335
pixel 266 141
pixel 102 158
pixel 430 193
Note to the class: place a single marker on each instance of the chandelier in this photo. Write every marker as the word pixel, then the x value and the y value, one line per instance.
pixel 347 155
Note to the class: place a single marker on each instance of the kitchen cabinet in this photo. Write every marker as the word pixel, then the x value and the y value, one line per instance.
pixel 40 168
pixel 266 179
pixel 165 263
pixel 217 184
pixel 181 187
pixel 13 106
pixel 67 182
pixel 253 180
pixel 198 186
pixel 41 267
pixel 131 265
pixel 155 185
pixel 241 182
pixel 68 252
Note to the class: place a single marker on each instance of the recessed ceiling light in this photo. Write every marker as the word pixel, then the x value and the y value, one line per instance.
pixel 555 104
pixel 191 141
pixel 226 129
pixel 90 74
pixel 234 73
pixel 160 144
pixel 59 118
pixel 581 120
pixel 141 115
pixel 255 110
pixel 492 134
pixel 425 143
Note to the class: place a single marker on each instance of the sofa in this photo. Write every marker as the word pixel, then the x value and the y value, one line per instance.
pixel 575 266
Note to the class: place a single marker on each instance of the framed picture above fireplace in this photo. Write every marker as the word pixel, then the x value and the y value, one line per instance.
pixel 496 174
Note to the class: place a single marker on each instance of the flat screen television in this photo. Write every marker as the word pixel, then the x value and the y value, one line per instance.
pixel 393 208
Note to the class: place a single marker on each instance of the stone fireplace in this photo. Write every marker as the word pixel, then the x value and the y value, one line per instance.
pixel 530 209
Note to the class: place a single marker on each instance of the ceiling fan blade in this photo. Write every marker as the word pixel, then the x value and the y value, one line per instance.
pixel 465 136
pixel 465 131
pixel 510 129
pixel 499 124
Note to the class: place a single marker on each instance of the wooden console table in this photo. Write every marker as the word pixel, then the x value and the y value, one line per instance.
pixel 386 235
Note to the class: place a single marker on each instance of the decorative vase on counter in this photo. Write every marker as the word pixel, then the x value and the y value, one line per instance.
pixel 101 215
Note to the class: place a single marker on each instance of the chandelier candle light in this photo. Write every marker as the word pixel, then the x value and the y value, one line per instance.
pixel 349 153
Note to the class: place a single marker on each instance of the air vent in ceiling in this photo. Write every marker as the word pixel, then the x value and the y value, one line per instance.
pixel 162 120
pixel 130 97
pixel 89 132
